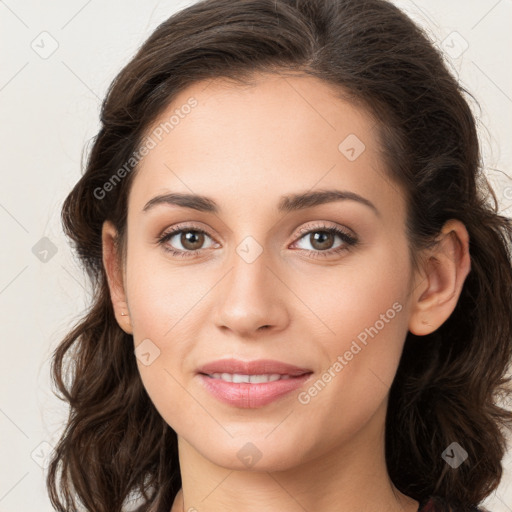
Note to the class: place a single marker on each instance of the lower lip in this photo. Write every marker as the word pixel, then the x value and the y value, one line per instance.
pixel 249 396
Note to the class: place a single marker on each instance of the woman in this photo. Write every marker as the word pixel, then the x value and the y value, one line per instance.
pixel 302 286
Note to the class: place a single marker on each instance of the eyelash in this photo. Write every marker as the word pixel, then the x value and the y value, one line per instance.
pixel 349 241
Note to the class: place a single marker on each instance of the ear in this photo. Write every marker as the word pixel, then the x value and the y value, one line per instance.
pixel 444 270
pixel 114 271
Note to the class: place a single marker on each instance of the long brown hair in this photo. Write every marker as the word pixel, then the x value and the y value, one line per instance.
pixel 115 444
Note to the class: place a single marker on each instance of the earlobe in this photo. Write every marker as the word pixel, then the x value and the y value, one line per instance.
pixel 445 269
pixel 114 272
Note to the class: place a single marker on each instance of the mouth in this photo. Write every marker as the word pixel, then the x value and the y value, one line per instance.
pixel 251 379
pixel 255 368
pixel 251 384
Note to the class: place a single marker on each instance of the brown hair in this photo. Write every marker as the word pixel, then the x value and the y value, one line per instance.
pixel 115 444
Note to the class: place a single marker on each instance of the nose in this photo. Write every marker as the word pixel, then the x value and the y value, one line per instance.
pixel 251 299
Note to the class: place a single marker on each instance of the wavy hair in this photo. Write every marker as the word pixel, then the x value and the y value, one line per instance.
pixel 449 383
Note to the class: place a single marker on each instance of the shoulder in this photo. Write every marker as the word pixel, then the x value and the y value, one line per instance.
pixel 437 504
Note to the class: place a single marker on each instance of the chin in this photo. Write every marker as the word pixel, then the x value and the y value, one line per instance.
pixel 254 453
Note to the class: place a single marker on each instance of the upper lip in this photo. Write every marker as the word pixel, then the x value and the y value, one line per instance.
pixel 256 367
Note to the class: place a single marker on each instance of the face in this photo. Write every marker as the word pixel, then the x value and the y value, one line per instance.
pixel 319 286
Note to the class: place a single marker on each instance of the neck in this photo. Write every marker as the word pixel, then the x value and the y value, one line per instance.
pixel 349 478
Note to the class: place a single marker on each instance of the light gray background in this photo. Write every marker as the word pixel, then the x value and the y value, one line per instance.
pixel 49 106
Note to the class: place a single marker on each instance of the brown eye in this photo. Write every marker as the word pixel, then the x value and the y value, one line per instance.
pixel 321 240
pixel 192 240
pixel 186 241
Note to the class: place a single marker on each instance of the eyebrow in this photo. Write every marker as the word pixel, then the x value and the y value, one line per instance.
pixel 287 203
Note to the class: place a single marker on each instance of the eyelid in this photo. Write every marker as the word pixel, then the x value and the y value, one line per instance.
pixel 184 226
pixel 326 225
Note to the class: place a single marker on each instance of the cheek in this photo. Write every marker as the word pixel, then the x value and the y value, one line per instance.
pixel 367 310
pixel 165 305
pixel 163 325
pixel 161 298
pixel 369 291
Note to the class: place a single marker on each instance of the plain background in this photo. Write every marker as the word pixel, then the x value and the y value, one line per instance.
pixel 58 59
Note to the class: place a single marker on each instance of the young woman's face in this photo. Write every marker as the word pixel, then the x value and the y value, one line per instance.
pixel 255 272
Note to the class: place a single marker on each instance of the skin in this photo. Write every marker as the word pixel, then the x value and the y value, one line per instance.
pixel 245 147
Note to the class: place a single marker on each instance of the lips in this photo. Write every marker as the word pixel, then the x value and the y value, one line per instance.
pixel 251 384
pixel 257 367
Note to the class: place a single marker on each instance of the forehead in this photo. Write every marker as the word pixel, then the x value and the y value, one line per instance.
pixel 277 134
